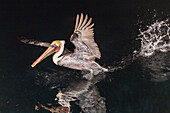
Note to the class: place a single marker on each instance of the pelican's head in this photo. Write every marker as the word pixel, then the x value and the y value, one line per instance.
pixel 56 46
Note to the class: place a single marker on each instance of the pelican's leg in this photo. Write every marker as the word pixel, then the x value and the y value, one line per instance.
pixel 89 76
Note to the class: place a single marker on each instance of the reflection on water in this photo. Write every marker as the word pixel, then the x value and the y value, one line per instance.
pixel 87 94
pixel 156 67
pixel 75 89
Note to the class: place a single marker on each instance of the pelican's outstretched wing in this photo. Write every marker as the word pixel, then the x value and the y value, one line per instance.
pixel 83 39
pixel 33 42
pixel 39 43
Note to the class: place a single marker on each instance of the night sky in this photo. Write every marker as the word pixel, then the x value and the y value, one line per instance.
pixel 35 18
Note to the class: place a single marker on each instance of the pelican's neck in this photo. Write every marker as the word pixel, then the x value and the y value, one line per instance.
pixel 56 57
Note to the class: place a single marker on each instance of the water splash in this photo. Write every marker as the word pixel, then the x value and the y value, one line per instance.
pixel 155 38
pixel 153 54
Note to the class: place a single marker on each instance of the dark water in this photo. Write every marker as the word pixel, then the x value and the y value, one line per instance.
pixel 138 88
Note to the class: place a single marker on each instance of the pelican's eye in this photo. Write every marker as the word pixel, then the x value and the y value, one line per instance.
pixel 54 46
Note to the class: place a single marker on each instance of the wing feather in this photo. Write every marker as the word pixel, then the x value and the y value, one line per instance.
pixel 87 23
pixel 85 28
pixel 90 26
pixel 33 42
pixel 85 20
pixel 80 22
pixel 77 19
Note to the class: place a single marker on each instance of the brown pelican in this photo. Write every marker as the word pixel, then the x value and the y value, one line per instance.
pixel 85 52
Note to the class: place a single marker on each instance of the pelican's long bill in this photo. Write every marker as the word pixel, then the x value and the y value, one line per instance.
pixel 54 47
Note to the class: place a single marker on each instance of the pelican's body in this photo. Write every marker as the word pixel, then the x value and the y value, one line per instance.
pixel 70 61
pixel 85 52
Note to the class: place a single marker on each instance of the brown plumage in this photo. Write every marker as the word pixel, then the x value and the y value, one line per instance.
pixel 83 38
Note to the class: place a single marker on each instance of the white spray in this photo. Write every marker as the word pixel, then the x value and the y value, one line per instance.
pixel 155 38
